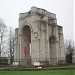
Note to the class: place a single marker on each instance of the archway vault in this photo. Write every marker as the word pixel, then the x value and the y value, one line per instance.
pixel 29 25
pixel 53 51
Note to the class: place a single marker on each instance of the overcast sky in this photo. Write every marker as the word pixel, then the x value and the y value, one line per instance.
pixel 64 10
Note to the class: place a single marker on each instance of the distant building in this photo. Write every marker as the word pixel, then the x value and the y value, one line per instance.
pixel 3 60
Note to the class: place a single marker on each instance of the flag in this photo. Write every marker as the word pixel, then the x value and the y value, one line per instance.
pixel 25 49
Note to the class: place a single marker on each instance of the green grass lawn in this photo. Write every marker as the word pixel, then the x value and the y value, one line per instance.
pixel 51 72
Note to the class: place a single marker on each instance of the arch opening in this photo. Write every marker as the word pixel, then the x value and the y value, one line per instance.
pixel 52 48
pixel 27 43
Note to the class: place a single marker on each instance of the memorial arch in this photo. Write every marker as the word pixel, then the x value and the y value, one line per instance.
pixel 34 30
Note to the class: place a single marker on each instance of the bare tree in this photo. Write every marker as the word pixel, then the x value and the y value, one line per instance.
pixel 3 29
pixel 11 43
pixel 69 47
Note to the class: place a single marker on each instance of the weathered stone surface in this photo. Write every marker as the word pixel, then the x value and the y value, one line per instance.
pixel 38 28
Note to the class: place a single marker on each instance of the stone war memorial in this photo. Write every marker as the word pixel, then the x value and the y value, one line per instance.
pixel 39 39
